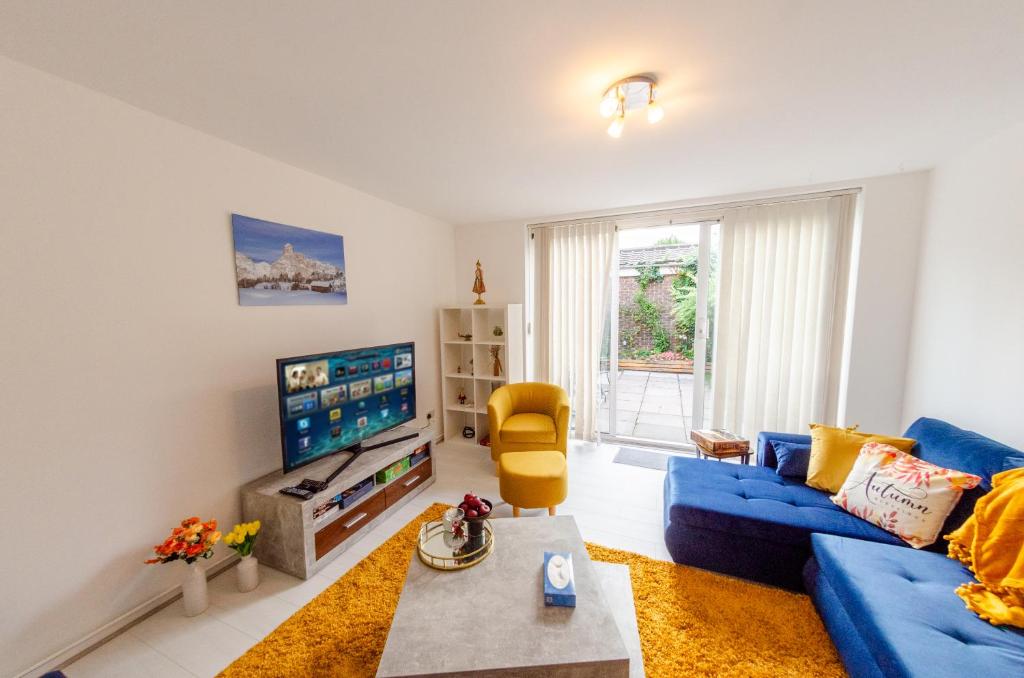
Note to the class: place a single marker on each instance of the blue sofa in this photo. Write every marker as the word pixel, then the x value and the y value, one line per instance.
pixel 750 522
pixel 891 610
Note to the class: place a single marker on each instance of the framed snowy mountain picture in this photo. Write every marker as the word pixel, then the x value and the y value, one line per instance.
pixel 279 265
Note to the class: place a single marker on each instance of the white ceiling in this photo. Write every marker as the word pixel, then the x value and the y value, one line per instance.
pixel 476 111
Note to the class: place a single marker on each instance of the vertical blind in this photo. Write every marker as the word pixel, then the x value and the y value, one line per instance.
pixel 780 311
pixel 572 269
pixel 780 314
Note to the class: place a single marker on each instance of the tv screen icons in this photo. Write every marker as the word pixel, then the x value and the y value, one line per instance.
pixel 301 403
pixel 302 376
pixel 336 395
pixel 330 400
pixel 385 382
pixel 360 389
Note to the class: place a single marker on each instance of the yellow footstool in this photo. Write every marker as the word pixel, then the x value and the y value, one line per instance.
pixel 537 479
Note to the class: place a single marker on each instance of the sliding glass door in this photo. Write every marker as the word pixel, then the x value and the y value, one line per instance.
pixel 656 360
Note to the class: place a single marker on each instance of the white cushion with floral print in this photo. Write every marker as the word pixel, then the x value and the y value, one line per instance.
pixel 901 493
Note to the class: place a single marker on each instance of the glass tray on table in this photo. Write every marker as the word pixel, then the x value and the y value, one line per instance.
pixel 440 553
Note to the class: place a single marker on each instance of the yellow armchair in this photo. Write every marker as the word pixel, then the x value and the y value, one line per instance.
pixel 527 417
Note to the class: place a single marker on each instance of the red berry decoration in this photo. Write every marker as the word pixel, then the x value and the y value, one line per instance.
pixel 485 509
pixel 471 513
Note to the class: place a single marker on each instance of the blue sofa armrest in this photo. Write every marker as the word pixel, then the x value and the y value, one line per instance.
pixel 765 451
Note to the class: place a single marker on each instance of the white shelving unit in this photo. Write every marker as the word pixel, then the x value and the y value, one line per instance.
pixel 467 366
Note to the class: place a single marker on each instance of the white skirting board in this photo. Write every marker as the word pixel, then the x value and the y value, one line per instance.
pixel 116 627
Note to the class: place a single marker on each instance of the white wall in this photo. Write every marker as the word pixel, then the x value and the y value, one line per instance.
pixel 887 250
pixel 501 249
pixel 136 390
pixel 967 352
pixel 888 235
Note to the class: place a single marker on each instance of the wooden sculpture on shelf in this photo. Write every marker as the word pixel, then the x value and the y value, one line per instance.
pixel 478 284
pixel 495 350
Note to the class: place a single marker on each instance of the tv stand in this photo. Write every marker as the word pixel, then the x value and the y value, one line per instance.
pixel 295 541
pixel 356 450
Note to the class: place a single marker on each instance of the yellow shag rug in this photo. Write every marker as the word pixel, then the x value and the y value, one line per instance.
pixel 691 622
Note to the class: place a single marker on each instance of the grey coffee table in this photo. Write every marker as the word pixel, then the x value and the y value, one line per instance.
pixel 431 634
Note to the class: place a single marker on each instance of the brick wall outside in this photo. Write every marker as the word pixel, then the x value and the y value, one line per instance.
pixel 660 294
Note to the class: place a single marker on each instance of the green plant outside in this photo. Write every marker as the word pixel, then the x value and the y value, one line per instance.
pixel 645 312
pixel 683 311
pixel 684 307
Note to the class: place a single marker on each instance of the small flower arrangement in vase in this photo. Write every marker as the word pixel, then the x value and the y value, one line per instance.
pixel 241 539
pixel 189 542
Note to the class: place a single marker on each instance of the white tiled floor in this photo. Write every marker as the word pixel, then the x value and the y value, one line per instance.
pixel 614 505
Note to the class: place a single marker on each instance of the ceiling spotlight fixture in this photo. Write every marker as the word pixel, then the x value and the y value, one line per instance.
pixel 628 94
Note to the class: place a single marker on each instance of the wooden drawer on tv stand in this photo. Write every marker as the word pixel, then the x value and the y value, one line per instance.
pixel 348 524
pixel 353 521
pixel 408 482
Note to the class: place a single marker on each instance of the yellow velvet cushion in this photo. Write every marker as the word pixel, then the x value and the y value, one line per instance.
pixel 533 479
pixel 528 427
pixel 835 450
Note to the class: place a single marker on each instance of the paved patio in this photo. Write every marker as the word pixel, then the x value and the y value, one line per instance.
pixel 654 405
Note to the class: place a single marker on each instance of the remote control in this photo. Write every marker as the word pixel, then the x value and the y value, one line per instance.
pixel 296 492
pixel 312 485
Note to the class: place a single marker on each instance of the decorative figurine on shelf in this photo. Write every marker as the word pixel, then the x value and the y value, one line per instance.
pixel 495 351
pixel 464 337
pixel 462 396
pixel 471 372
pixel 478 284
pixel 468 432
pixel 498 332
pixel 458 369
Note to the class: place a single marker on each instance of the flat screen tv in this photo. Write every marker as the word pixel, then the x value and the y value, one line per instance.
pixel 331 402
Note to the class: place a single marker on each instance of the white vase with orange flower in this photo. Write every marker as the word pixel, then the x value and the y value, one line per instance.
pixel 241 539
pixel 193 540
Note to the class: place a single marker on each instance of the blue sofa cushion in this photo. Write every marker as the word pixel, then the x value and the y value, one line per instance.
pixel 793 459
pixel 903 605
pixel 948 446
pixel 766 442
pixel 756 502
pixel 1013 462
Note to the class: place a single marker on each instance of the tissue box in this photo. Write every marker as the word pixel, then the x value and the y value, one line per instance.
pixel 559 582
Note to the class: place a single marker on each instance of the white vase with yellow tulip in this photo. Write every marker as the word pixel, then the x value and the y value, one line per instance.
pixel 241 539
